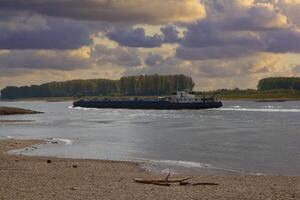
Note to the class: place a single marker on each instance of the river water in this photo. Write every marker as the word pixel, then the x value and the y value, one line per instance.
pixel 240 137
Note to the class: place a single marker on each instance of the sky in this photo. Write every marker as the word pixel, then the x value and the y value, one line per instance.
pixel 219 43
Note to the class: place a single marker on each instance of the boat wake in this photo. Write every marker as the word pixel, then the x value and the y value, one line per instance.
pixel 79 108
pixel 260 110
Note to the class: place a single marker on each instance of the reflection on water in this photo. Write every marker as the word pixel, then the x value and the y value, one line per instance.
pixel 242 136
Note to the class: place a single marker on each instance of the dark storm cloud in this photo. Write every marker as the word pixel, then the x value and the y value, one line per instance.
pixel 134 37
pixel 238 28
pixel 203 34
pixel 217 52
pixel 57 34
pixel 154 60
pixel 255 17
pixel 40 59
pixel 122 56
pixel 207 40
pixel 284 41
pixel 131 11
pixel 170 34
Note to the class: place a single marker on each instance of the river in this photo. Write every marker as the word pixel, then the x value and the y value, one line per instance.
pixel 240 137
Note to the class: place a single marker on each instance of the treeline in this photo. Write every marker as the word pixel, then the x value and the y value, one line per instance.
pixel 255 94
pixel 155 84
pixel 267 88
pixel 131 85
pixel 278 83
pixel 62 89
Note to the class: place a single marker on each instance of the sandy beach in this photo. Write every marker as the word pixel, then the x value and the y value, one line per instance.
pixel 24 177
pixel 16 111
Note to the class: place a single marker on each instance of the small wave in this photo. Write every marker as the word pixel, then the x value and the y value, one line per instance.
pixel 66 141
pixel 257 174
pixel 6 137
pixel 236 107
pixel 194 165
pixel 181 163
pixel 142 123
pixel 272 107
pixel 103 121
pixel 59 140
pixel 260 110
pixel 84 109
pixel 79 108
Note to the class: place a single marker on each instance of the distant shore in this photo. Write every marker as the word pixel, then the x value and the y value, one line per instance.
pixel 258 98
pixel 16 111
pixel 57 178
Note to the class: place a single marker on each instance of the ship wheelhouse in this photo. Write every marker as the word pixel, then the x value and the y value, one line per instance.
pixel 188 97
pixel 185 97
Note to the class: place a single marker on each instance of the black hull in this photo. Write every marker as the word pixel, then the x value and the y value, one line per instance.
pixel 149 105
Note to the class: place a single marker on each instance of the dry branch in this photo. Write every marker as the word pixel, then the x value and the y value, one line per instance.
pixel 167 181
pixel 149 181
pixel 194 184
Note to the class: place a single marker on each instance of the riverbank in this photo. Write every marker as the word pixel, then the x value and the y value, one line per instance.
pixel 55 178
pixel 16 111
pixel 232 97
pixel 259 98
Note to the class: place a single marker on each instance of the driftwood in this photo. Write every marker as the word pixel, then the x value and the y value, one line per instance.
pixel 167 182
pixel 194 184
pixel 149 181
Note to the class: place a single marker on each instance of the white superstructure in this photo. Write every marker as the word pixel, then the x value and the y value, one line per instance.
pixel 185 97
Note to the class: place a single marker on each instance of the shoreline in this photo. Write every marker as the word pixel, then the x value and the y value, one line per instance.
pixel 34 177
pixel 159 167
pixel 220 97
pixel 16 111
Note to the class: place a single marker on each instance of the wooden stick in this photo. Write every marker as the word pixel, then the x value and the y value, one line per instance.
pixel 194 184
pixel 159 183
pixel 167 178
pixel 149 181
pixel 184 183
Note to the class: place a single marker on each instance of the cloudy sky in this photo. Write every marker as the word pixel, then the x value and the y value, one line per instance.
pixel 220 43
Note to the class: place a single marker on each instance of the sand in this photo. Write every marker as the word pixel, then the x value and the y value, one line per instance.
pixel 16 111
pixel 24 178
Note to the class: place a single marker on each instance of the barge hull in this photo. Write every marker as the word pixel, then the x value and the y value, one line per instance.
pixel 150 105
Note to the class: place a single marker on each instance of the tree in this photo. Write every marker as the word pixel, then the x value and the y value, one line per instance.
pixel 130 85
pixel 277 83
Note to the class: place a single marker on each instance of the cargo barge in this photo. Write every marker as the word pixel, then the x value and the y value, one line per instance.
pixel 182 100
